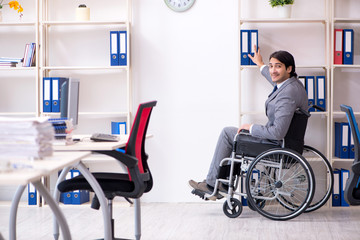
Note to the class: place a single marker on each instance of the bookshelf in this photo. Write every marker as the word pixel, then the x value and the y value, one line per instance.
pixel 310 46
pixel 19 94
pixel 344 81
pixel 16 99
pixel 313 34
pixel 105 91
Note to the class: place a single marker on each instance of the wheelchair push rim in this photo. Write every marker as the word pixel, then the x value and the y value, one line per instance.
pixel 283 180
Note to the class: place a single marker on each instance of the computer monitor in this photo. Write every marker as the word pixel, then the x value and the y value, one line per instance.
pixel 69 104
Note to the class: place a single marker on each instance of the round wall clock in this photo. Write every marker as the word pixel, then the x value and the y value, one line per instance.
pixel 179 5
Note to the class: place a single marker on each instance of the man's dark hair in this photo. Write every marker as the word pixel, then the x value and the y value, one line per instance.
pixel 287 59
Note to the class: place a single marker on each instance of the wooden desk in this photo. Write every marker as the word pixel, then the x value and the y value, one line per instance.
pixel 85 144
pixel 40 168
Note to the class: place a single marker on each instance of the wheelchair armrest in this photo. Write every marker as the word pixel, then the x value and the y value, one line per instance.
pixel 242 132
pixel 126 159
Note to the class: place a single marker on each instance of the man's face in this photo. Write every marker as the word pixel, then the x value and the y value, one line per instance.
pixel 278 71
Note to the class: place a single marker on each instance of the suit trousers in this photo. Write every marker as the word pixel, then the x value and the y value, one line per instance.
pixel 223 150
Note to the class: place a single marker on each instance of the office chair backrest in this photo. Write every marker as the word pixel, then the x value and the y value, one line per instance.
pixel 136 143
pixel 353 126
pixel 294 138
pixel 352 188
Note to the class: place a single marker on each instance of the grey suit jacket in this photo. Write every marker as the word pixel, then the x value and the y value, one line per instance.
pixel 280 108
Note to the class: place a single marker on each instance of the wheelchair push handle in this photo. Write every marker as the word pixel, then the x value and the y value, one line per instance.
pixel 317 107
pixel 307 113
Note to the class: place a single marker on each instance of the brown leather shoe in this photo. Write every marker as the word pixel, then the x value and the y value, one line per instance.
pixel 201 188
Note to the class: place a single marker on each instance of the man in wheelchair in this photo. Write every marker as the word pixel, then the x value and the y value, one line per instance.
pixel 288 95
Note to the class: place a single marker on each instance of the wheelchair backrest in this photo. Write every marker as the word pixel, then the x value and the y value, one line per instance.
pixel 294 138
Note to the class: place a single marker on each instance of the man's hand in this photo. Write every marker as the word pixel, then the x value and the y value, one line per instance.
pixel 257 58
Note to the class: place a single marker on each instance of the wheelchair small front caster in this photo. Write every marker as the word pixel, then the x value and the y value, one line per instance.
pixel 236 208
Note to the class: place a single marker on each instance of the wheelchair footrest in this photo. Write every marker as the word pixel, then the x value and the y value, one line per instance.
pixel 199 193
pixel 202 194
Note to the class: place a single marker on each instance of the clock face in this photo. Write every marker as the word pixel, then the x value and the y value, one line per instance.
pixel 179 5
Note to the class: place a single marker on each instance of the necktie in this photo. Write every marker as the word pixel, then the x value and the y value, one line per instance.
pixel 275 88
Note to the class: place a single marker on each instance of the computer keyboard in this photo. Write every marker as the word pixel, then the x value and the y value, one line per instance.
pixel 103 137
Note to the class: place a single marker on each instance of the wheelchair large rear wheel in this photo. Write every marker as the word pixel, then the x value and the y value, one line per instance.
pixel 324 178
pixel 283 180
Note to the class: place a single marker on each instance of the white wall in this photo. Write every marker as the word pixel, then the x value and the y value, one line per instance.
pixel 188 63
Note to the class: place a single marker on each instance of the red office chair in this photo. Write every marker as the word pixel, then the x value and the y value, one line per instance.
pixel 131 185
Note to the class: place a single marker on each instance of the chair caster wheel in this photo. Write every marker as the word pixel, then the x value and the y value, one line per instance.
pixel 236 208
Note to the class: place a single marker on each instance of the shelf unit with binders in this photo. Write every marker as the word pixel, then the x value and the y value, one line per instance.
pixel 306 36
pixel 345 86
pixel 19 85
pixel 67 48
pixel 105 90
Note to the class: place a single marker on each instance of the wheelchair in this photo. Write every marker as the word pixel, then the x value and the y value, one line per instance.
pixel 279 182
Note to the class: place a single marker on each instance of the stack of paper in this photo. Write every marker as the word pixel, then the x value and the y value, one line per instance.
pixel 25 137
